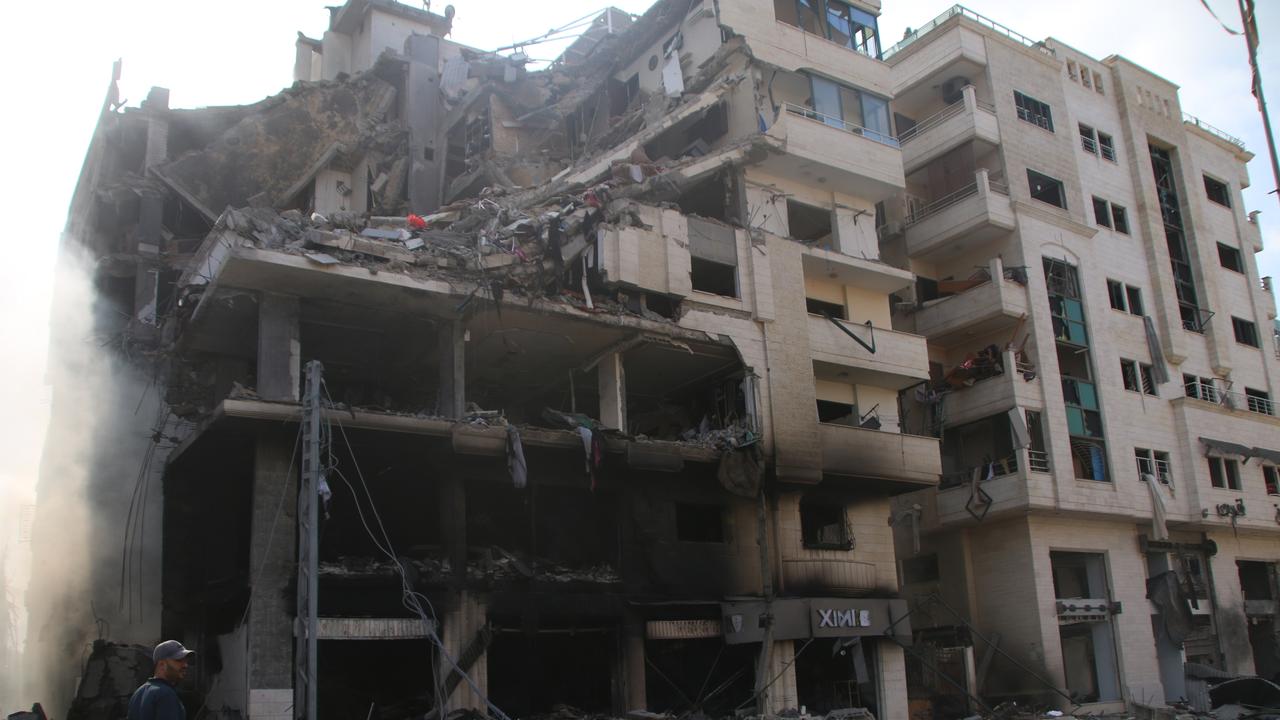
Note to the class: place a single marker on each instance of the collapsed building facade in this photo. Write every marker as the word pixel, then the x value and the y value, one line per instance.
pixel 616 385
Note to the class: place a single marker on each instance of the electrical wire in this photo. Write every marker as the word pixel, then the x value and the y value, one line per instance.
pixel 411 599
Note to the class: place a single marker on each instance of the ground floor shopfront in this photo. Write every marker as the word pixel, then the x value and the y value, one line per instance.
pixel 1071 610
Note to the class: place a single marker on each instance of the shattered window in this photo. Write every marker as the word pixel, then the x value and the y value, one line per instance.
pixel 1046 189
pixel 810 19
pixel 823 525
pixel 1230 258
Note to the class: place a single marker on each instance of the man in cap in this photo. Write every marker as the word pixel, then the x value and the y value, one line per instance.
pixel 157 699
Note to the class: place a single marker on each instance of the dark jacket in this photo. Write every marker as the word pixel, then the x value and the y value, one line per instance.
pixel 156 700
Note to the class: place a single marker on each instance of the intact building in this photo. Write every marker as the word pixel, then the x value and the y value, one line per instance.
pixel 1103 379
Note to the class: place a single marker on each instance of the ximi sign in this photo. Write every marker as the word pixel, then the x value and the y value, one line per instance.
pixel 798 618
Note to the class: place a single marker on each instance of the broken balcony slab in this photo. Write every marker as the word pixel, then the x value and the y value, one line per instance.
pixel 233 413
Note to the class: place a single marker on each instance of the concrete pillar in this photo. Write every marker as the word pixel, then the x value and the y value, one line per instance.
pixel 893 681
pixel 271 559
pixel 423 114
pixel 983 178
pixel 612 380
pixel 782 694
pixel 279 347
pixel 303 59
pixel 459 629
pixel 451 350
pixel 970 99
pixel 629 671
pixel 453 521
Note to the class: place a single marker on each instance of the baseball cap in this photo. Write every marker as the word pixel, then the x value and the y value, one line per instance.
pixel 169 650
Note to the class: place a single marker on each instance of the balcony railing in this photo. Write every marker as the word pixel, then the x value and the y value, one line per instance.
pixel 986 471
pixel 1193 120
pixel 931 122
pixel 1230 399
pixel 966 12
pixel 1155 468
pixel 841 124
pixel 917 211
pixel 1038 461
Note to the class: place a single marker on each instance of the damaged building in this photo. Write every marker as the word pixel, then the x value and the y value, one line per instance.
pixel 732 364
pixel 567 391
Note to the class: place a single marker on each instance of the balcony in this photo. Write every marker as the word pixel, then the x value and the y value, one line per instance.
pixel 867 355
pixel 826 150
pixel 968 219
pixel 1267 297
pixel 829 576
pixel 993 395
pixel 970 120
pixel 908 462
pixel 990 306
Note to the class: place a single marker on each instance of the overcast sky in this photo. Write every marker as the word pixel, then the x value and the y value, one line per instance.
pixel 238 51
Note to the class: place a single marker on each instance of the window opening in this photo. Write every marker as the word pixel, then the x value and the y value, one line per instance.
pixel 1217 191
pixel 1046 189
pixel 1193 316
pixel 1106 146
pixel 1259 401
pixel 1230 258
pixel 823 525
pixel 1134 296
pixel 809 224
pixel 1119 219
pixel 1271 479
pixel 1246 332
pixel 1224 473
pixel 1115 290
pixel 1101 216
pixel 825 309
pixel 1088 139
pixel 1033 111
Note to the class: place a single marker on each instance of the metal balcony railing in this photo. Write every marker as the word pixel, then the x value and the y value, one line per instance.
pixel 923 211
pixel 841 124
pixel 953 11
pixel 1155 468
pixel 1193 120
pixel 1038 461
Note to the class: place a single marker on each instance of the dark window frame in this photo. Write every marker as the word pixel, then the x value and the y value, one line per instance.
pixel 1101 212
pixel 1133 296
pixel 1116 294
pixel 1038 179
pixel 1106 147
pixel 1088 139
pixel 1246 332
pixel 1224 473
pixel 1271 479
pixel 1231 258
pixel 818 515
pixel 1119 219
pixel 1216 191
pixel 1033 111
pixel 1129 375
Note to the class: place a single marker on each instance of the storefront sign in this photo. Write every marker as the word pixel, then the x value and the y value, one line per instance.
pixel 800 618
pixel 681 629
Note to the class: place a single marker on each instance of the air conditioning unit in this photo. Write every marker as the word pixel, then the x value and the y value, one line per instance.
pixel 952 89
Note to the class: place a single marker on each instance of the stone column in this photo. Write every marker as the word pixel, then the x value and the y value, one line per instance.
pixel 273 565
pixel 613 392
pixel 279 347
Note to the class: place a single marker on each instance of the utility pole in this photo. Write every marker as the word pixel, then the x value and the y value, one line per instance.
pixel 1248 16
pixel 306 622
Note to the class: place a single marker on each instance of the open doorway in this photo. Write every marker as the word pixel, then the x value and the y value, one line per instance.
pixel 1084 626
pixel 1258 582
pixel 834 673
